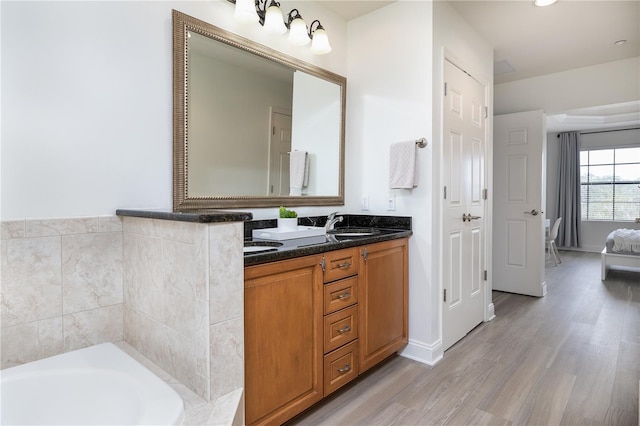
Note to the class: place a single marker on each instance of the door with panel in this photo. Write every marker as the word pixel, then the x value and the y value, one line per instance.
pixel 519 220
pixel 463 234
pixel 279 149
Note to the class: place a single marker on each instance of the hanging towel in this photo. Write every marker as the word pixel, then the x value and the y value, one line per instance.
pixel 298 171
pixel 403 169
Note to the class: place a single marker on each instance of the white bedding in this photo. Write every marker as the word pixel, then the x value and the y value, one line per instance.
pixel 624 241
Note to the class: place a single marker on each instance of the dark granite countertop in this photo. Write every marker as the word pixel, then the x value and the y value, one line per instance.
pixel 386 228
pixel 198 216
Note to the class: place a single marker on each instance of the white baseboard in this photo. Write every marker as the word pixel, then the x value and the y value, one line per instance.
pixel 491 312
pixel 424 353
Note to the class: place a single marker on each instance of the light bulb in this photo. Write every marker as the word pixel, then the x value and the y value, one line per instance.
pixel 273 20
pixel 246 11
pixel 298 32
pixel 320 42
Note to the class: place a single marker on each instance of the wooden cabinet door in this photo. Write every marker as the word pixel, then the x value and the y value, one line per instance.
pixel 382 301
pixel 283 339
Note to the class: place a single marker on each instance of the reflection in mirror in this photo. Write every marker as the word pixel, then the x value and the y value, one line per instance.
pixel 252 127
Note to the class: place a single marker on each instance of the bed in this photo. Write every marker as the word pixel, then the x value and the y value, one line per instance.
pixel 622 248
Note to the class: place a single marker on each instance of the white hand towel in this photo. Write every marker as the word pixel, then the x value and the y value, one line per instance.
pixel 403 168
pixel 297 167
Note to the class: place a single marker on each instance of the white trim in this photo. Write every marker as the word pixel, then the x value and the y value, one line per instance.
pixel 491 312
pixel 423 352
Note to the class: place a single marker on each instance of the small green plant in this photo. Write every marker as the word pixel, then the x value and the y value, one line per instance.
pixel 285 213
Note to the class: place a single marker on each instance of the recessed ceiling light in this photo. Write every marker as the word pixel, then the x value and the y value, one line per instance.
pixel 544 2
pixel 620 42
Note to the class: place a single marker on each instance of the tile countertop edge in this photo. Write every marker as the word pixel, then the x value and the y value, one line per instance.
pixel 200 216
pixel 260 258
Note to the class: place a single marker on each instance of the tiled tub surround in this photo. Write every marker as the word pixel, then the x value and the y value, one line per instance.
pixel 184 300
pixel 61 286
pixel 67 284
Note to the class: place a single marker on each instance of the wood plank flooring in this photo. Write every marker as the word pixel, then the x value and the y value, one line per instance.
pixel 570 358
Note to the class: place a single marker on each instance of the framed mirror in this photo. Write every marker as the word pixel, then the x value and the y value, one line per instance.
pixel 252 127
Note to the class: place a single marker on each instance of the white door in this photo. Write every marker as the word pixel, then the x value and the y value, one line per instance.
pixel 519 142
pixel 279 149
pixel 464 205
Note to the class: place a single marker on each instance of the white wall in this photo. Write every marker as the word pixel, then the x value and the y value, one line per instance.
pixel 593 234
pixel 604 84
pixel 87 100
pixel 394 95
pixel 389 100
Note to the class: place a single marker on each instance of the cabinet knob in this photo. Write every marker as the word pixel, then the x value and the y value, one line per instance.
pixel 343 296
pixel 344 329
pixel 344 369
pixel 344 265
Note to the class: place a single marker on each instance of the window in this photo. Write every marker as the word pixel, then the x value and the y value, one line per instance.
pixel 610 184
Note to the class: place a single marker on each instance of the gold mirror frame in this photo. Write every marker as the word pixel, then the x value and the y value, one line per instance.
pixel 182 24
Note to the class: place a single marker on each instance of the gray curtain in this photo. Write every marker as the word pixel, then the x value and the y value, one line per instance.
pixel 568 206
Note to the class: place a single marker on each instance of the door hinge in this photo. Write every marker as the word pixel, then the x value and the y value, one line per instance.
pixel 485 274
pixel 445 294
pixel 486 112
pixel 445 89
pixel 485 193
pixel 445 192
pixel 273 130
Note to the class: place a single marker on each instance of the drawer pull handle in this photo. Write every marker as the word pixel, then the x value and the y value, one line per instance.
pixel 344 265
pixel 344 329
pixel 343 296
pixel 344 369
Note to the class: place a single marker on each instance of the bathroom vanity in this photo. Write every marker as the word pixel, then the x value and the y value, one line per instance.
pixel 319 315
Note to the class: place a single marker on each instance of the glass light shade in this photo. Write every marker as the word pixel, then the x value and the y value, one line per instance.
pixel 320 42
pixel 274 21
pixel 246 11
pixel 298 33
pixel 544 2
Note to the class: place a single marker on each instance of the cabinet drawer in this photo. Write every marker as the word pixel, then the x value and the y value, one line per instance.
pixel 341 264
pixel 340 327
pixel 340 294
pixel 340 367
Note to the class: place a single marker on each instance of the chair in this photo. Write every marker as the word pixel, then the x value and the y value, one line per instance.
pixel 551 242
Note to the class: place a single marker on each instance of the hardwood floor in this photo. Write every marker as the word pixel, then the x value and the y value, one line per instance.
pixel 570 358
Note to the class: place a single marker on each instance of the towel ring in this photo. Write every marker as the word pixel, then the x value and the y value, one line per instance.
pixel 422 142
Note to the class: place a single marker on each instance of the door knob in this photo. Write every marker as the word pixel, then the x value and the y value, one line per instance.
pixel 533 212
pixel 468 217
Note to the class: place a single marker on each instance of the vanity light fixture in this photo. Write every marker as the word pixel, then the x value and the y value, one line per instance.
pixel 297 29
pixel 319 40
pixel 542 3
pixel 245 11
pixel 272 19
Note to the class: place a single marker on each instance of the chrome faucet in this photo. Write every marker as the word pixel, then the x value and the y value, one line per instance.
pixel 332 220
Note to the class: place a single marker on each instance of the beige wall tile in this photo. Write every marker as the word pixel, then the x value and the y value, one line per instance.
pixel 12 229
pixel 94 326
pixel 31 280
pixel 109 224
pixel 91 271
pixel 143 274
pixel 178 259
pixel 32 341
pixel 168 229
pixel 70 226
pixel 226 272
pixel 227 357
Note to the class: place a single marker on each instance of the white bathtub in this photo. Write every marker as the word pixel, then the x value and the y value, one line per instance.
pixel 99 385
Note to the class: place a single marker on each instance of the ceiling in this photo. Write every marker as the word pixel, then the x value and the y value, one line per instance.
pixel 530 41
